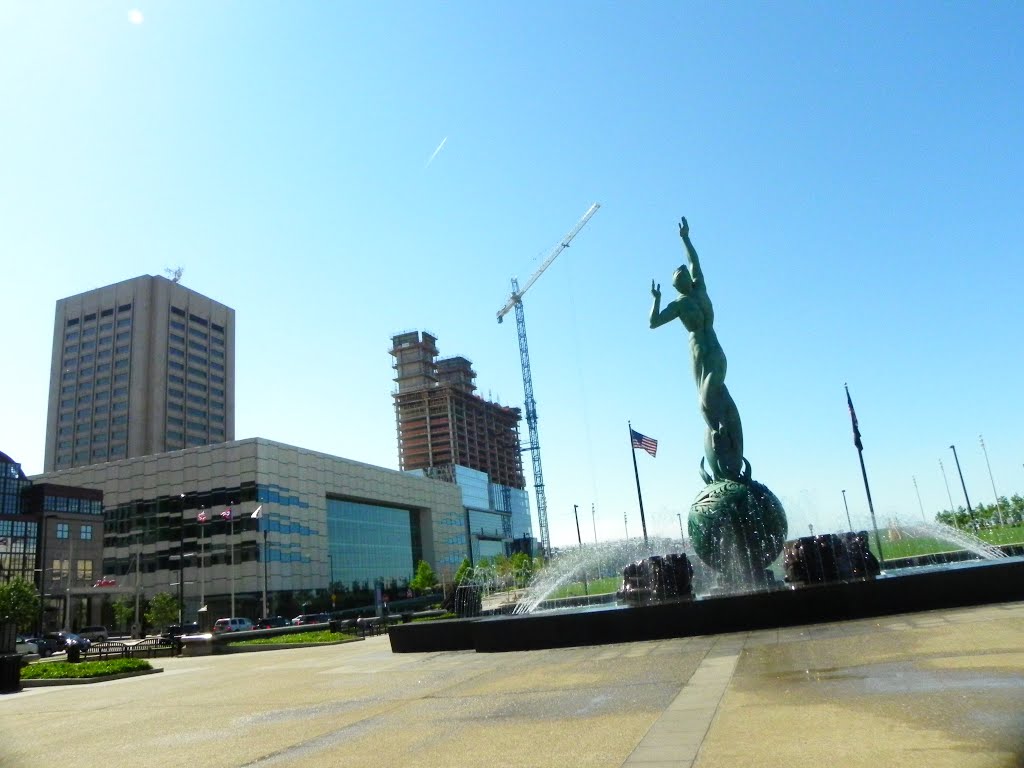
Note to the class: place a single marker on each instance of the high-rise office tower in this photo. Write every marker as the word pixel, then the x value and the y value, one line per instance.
pixel 443 423
pixel 140 367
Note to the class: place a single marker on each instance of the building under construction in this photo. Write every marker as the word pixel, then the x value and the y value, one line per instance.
pixel 443 423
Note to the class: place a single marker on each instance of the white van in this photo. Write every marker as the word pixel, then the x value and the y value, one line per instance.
pixel 232 625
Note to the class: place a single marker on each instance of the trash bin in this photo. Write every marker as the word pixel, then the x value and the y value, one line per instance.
pixel 74 653
pixel 10 673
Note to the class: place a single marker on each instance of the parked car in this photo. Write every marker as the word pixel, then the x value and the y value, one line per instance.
pixel 311 618
pixel 232 625
pixel 94 634
pixel 271 622
pixel 24 646
pixel 59 642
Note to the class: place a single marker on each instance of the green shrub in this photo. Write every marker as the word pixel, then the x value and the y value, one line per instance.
pixel 320 636
pixel 55 670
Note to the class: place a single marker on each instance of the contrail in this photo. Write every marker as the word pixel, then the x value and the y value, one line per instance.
pixel 437 151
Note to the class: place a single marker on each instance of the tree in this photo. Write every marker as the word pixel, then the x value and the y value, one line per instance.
pixel 19 601
pixel 464 568
pixel 163 610
pixel 424 579
pixel 124 610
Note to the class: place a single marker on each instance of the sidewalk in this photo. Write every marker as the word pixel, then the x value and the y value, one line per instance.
pixel 944 688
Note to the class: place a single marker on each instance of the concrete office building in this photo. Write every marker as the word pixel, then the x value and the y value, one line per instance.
pixel 141 367
pixel 323 520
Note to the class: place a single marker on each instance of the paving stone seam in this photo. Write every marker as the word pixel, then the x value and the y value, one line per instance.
pixel 675 738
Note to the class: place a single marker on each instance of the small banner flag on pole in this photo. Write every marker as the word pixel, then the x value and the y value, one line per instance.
pixel 853 418
pixel 202 517
pixel 226 514
pixel 649 444
pixel 258 513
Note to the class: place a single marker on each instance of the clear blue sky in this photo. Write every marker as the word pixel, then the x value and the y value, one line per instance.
pixel 853 175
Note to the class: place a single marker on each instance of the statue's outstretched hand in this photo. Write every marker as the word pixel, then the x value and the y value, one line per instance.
pixel 655 290
pixel 684 228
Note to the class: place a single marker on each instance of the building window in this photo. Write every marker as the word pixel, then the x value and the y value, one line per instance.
pixel 85 533
pixel 121 364
pixel 175 407
pixel 175 352
pixel 196 346
pixel 63 531
pixel 90 317
pixel 197 334
pixel 124 335
pixel 124 322
pixel 177 311
pixel 124 307
pixel 196 386
pixel 71 349
pixel 177 325
pixel 120 391
pixel 71 336
pixel 201 320
pixel 85 569
pixel 176 338
pixel 120 378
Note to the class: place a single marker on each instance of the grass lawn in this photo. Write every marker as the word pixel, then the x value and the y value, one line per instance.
pixel 320 636
pixel 53 670
pixel 911 547
pixel 594 587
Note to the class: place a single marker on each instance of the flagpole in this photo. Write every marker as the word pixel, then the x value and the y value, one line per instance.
pixel 636 473
pixel 202 563
pixel 864 473
pixel 231 520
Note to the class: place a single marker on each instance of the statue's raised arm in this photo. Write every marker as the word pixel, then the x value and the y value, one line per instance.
pixel 691 253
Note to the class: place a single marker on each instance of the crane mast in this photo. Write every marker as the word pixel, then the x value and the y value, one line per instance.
pixel 516 300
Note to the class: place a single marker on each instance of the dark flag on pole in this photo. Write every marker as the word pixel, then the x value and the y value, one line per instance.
pixel 649 444
pixel 853 417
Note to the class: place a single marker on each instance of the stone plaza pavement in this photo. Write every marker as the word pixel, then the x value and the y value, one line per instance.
pixel 944 688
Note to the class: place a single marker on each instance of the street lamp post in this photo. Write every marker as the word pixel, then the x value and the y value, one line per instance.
pixel 847 507
pixel 682 536
pixel 963 485
pixel 952 507
pixel 919 504
pixel 575 511
pixel 999 511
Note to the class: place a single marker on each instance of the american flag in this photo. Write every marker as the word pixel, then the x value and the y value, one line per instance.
pixel 226 514
pixel 202 517
pixel 649 444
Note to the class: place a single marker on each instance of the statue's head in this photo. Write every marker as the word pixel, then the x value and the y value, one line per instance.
pixel 682 281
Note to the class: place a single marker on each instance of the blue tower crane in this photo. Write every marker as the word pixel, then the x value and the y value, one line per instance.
pixel 516 300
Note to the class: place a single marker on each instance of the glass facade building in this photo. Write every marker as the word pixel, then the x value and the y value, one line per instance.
pixel 322 520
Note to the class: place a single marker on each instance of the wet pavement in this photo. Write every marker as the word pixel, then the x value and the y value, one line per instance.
pixel 944 688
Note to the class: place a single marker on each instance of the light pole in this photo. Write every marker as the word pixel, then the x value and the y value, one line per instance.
pixel 682 536
pixel 593 519
pixel 964 486
pixel 952 507
pixel 575 511
pixel 919 504
pixel 847 507
pixel 999 511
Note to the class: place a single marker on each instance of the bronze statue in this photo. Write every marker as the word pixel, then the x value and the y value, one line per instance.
pixel 723 440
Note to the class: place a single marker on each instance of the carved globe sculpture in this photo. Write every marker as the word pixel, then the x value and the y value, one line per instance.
pixel 738 529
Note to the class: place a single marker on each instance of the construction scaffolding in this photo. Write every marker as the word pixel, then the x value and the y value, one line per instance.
pixel 442 422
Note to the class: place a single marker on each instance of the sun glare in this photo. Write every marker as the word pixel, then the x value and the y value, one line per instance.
pixel 135 16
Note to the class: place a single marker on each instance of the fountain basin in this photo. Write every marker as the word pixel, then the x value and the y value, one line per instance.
pixel 951 586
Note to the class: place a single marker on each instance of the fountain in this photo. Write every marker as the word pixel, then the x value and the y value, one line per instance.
pixel 737 529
